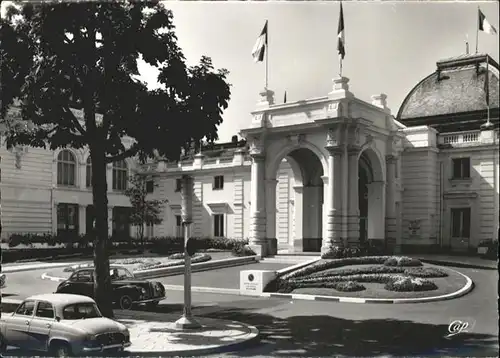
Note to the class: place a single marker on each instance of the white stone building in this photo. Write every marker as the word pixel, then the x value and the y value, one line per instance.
pixel 318 171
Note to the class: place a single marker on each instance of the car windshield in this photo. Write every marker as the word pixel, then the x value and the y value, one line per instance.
pixel 81 311
pixel 120 273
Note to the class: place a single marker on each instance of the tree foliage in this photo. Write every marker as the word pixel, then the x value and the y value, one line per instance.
pixel 145 211
pixel 60 56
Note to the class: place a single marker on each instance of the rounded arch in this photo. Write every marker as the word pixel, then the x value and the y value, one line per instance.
pixel 66 167
pixel 59 154
pixel 372 158
pixel 296 170
pixel 273 164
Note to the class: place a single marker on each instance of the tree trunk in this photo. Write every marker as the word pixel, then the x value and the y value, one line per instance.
pixel 102 287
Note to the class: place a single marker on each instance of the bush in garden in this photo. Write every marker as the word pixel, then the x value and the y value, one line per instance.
pixel 402 261
pixel 425 272
pixel 410 284
pixel 349 286
pixel 337 252
pixel 242 249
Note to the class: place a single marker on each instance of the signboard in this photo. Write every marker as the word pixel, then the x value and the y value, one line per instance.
pixel 253 282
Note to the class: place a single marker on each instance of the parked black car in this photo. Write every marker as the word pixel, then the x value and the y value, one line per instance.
pixel 127 289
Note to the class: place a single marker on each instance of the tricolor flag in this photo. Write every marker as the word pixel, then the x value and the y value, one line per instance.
pixel 340 35
pixel 484 25
pixel 259 48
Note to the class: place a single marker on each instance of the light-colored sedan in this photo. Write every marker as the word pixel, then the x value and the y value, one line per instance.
pixel 63 325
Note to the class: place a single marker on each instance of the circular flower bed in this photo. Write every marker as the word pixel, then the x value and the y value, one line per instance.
pixel 393 273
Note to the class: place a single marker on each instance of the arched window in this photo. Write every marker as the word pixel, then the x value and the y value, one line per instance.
pixel 120 175
pixel 66 168
pixel 88 177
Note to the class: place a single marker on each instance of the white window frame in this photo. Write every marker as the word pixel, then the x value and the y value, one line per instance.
pixel 224 225
pixel 64 168
pixel 218 183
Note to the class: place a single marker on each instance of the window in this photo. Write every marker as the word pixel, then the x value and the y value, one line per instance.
pixel 81 311
pixel 150 186
pixel 460 222
pixel 218 182
pixel 219 225
pixel 66 168
pixel 120 274
pixel 26 308
pixel 120 175
pixel 83 276
pixel 178 185
pixel 44 310
pixel 178 226
pixel 67 218
pixel 461 168
pixel 121 222
pixel 88 173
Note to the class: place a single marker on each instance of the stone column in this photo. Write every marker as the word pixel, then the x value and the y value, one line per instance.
pixel 272 241
pixel 376 210
pixel 110 221
pixel 333 199
pixel 82 219
pixel 390 204
pixel 298 219
pixel 353 198
pixel 258 206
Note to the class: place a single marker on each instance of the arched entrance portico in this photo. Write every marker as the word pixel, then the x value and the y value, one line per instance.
pixel 295 203
pixel 335 149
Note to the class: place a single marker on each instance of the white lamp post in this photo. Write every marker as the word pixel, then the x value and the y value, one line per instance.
pixel 187 321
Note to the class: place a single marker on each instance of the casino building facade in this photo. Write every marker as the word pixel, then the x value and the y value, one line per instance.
pixel 330 170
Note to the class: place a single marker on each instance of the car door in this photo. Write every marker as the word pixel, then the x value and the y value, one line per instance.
pixel 41 325
pixel 17 326
pixel 80 283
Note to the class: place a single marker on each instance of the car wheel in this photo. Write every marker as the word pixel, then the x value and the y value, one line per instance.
pixel 126 302
pixel 61 350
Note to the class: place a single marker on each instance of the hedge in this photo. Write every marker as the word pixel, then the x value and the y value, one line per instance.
pixel 82 245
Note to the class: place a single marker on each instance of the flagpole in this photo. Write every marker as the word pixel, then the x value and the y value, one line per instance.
pixel 340 66
pixel 487 92
pixel 267 54
pixel 477 28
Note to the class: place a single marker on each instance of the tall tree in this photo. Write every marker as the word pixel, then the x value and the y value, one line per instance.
pixel 57 56
pixel 145 211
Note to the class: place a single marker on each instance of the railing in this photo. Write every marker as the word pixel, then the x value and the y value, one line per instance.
pixel 459 137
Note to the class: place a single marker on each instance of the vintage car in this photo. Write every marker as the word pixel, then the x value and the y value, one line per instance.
pixel 63 325
pixel 127 289
pixel 3 279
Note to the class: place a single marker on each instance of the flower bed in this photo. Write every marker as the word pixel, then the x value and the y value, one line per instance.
pixel 388 273
pixel 139 264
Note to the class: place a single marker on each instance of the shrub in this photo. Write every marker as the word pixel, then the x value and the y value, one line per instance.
pixel 197 258
pixel 402 261
pixel 410 284
pixel 425 272
pixel 336 252
pixel 242 249
pixel 358 270
pixel 349 286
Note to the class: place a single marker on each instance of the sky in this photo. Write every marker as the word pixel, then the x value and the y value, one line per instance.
pixel 390 46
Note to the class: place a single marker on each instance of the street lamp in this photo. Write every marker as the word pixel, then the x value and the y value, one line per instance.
pixel 187 321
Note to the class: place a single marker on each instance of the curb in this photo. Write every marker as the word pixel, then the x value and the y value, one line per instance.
pixel 12 269
pixel 253 337
pixel 178 270
pixel 457 264
pixel 469 285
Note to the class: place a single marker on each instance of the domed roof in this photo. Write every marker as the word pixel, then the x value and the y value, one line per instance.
pixel 456 87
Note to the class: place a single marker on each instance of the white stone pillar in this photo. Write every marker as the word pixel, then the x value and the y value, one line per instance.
pixel 376 210
pixel 109 176
pixel 298 235
pixel 82 175
pixel 110 221
pixel 334 201
pixel 82 219
pixel 390 204
pixel 353 198
pixel 258 206
pixel 271 216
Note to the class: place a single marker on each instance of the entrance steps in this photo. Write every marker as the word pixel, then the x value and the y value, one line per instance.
pixel 291 258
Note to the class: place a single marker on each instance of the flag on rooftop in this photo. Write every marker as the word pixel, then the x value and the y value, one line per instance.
pixel 484 25
pixel 341 35
pixel 259 48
